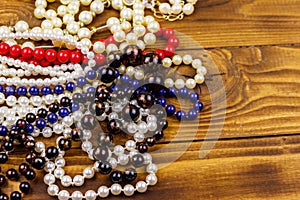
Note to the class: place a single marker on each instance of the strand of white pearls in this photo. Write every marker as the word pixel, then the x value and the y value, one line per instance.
pixel 65 15
pixel 177 7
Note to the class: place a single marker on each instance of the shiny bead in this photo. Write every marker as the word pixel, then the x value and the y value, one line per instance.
pixel 145 100
pixel 38 163
pixel 130 174
pixel 23 168
pixel 88 122
pixel 15 195
pixel 3 158
pixel 137 160
pixel 114 126
pixel 52 152
pixel 30 175
pixel 24 187
pixel 104 168
pixel 101 153
pixel 108 75
pixel 130 113
pixel 64 144
pixel 2 180
pixel 116 176
pixel 12 174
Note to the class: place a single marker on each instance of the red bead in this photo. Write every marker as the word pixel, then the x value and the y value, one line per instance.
pixel 100 59
pixel 168 32
pixel 34 62
pixel 38 54
pixel 85 60
pixel 173 41
pixel 27 53
pixel 110 40
pixel 169 50
pixel 161 53
pixel 63 56
pixel 45 63
pixel 159 32
pixel 4 49
pixel 15 51
pixel 75 57
pixel 50 55
pixel 101 40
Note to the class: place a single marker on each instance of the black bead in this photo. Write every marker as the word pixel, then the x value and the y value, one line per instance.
pixel 108 75
pixel 3 196
pixel 114 126
pixel 116 176
pixel 64 144
pixel 105 139
pixel 8 145
pixel 101 153
pixel 162 125
pixel 30 117
pixel 42 113
pixel 158 135
pixel 12 174
pixel 29 144
pixel 23 168
pixel 65 101
pixel 14 133
pixel 102 96
pixel 104 167
pixel 114 59
pixel 145 100
pixel 88 122
pixel 138 160
pixel 30 175
pixel 38 163
pixel 76 134
pixel 142 148
pixel 3 158
pixel 15 195
pixel 99 108
pixel 150 141
pixel 21 124
pixel 130 174
pixel 152 59
pixel 132 56
pixel 2 180
pixel 29 157
pixel 24 187
pixel 54 107
pixel 51 152
pixel 130 113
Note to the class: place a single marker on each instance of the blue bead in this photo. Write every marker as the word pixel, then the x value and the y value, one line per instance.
pixel 117 73
pixel 162 101
pixel 192 114
pixel 34 91
pixel 63 112
pixel 135 83
pixel 91 90
pixel 29 128
pixel 181 115
pixel 81 81
pixel 40 123
pixel 70 86
pixel 172 92
pixel 58 89
pixel 91 74
pixel 46 90
pixel 22 91
pixel 1 88
pixel 10 90
pixel 114 88
pixel 74 107
pixel 52 118
pixel 183 92
pixel 3 130
pixel 125 78
pixel 170 109
pixel 144 88
pixel 162 92
pixel 194 96
pixel 198 106
pixel 125 89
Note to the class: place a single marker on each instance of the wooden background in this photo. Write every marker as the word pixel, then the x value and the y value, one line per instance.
pixel 255 46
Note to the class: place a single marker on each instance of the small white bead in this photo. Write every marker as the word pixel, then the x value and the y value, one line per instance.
pixel 179 83
pixel 188 9
pixel 53 190
pixel 118 150
pixel 39 147
pixel 77 195
pixel 88 173
pixel 103 191
pixel 176 9
pixel 59 172
pixel 141 186
pixel 177 60
pixel 49 179
pixel 90 195
pixel 63 195
pixel 169 82
pixel 116 189
pixel 150 38
pixel 78 180
pixel 151 179
pixel 190 83
pixel 153 27
pixel 130 144
pixel 128 190
pixel 199 78
pixel 97 7
pixel 202 70
pixel 164 8
pixel 152 168
pixel 167 62
pixel 66 181
pixel 139 74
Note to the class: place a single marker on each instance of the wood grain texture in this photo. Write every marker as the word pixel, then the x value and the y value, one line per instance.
pixel 252 47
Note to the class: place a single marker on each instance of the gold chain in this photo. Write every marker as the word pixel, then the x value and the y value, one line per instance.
pixel 170 17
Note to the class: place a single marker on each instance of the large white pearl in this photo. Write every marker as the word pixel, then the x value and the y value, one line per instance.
pixel 190 83
pixel 126 26
pixel 85 2
pixel 42 3
pixel 151 179
pixel 177 59
pixel 141 186
pixel 84 33
pixel 73 8
pixel 199 78
pixel 126 13
pixel 68 18
pixel 188 9
pixel 169 83
pixel 99 47
pixel 50 14
pixel 49 179
pixel 86 17
pixel 150 39
pixel 167 62
pixel 139 30
pixel 116 189
pixel 73 27
pixel 117 4
pixel 62 10
pixel 196 63
pixel 78 180
pixel 176 9
pixel 128 190
pixel 97 7
pixel 153 27
pixel 39 12
pixel 179 83
pixel 57 22
pixel 103 191
pixel 164 8
pixel 77 195
pixel 21 26
pixel 63 195
pixel 52 190
pixel 202 70
pixel 131 38
pixel 90 195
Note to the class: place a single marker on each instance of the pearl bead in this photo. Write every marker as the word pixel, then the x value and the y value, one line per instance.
pixel 141 186
pixel 90 195
pixel 73 8
pixel 199 78
pixel 63 195
pixel 177 60
pixel 86 17
pixel 202 70
pixel 86 42
pixel 176 9
pixel 128 190
pixel 50 14
pixel 85 2
pixel 141 45
pixel 62 10
pixel 76 195
pixel 99 47
pixel 139 74
pixel 53 190
pixel 103 191
pixel 126 14
pixel 47 24
pixel 164 8
pixel 131 38
pixel 73 27
pixel 196 63
pixel 42 3
pixel 179 83
pixel 139 30
pixel 119 36
pixel 151 179
pixel 167 62
pixel 116 189
pixel 115 28
pixel 112 21
pixel 153 27
pixel 68 18
pixel 21 26
pixel 152 168
pixel 130 144
pixel 117 4
pixel 150 39
pixel 78 180
pixel 188 9
pixel 126 26
pixel 59 172
pixel 66 181
pixel 88 173
pixel 169 83
pixel 39 12
pixel 49 179
pixel 39 147
pixel 97 7
pixel 187 59
pixel 190 83
pixel 138 19
pixel 138 6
